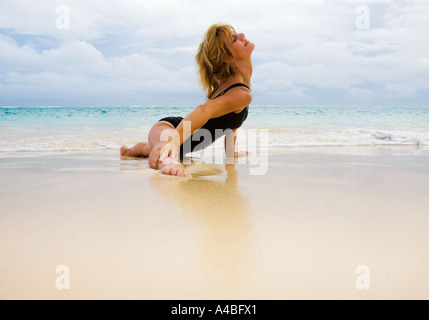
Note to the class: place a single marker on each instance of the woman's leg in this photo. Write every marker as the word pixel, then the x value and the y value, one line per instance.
pixel 171 166
pixel 143 149
pixel 150 148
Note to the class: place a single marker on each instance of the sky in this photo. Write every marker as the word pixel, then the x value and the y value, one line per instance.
pixel 141 52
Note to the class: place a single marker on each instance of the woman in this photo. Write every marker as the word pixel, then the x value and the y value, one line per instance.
pixel 225 68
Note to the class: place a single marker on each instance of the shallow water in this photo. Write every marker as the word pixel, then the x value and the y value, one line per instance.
pixel 92 128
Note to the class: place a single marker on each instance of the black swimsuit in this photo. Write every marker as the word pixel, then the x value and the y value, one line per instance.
pixel 215 126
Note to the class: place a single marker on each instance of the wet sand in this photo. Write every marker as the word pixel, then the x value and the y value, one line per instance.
pixel 299 231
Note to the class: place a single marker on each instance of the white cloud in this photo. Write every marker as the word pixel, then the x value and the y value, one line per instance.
pixel 142 52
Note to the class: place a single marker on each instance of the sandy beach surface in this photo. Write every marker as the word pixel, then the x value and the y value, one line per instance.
pixel 321 223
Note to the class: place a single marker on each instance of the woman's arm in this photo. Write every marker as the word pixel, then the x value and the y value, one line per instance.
pixel 232 101
pixel 230 142
pixel 230 139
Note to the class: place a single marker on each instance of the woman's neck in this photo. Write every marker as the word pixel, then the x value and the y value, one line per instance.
pixel 244 72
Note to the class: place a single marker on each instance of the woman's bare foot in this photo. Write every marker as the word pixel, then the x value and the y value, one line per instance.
pixel 124 150
pixel 141 149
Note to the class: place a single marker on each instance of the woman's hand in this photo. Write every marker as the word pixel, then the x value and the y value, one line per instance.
pixel 231 160
pixel 161 152
pixel 169 149
pixel 241 154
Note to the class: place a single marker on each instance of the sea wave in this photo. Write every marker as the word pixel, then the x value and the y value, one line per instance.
pixel 344 137
pixel 14 140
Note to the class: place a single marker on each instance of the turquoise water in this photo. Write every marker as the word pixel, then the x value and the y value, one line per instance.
pixel 285 117
pixel 86 128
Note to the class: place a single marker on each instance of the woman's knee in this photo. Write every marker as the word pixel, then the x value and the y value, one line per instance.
pixel 160 132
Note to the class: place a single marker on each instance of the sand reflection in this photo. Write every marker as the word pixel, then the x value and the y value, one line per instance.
pixel 213 202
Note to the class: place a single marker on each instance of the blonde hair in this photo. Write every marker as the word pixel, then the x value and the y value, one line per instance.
pixel 214 58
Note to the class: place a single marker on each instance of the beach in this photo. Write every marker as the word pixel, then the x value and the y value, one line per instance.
pixel 305 229
pixel 327 199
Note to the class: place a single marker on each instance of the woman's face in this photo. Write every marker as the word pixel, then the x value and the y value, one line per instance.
pixel 240 47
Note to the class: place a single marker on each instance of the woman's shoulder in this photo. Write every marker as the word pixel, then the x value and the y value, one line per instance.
pixel 234 99
pixel 237 95
pixel 239 88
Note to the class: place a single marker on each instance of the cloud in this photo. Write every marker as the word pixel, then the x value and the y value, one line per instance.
pixel 78 69
pixel 142 52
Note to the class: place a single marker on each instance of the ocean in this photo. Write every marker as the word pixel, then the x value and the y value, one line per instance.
pixel 96 128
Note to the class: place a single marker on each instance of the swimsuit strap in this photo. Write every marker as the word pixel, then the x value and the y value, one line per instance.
pixel 239 84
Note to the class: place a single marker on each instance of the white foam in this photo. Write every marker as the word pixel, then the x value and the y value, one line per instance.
pixel 28 139
pixel 345 137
